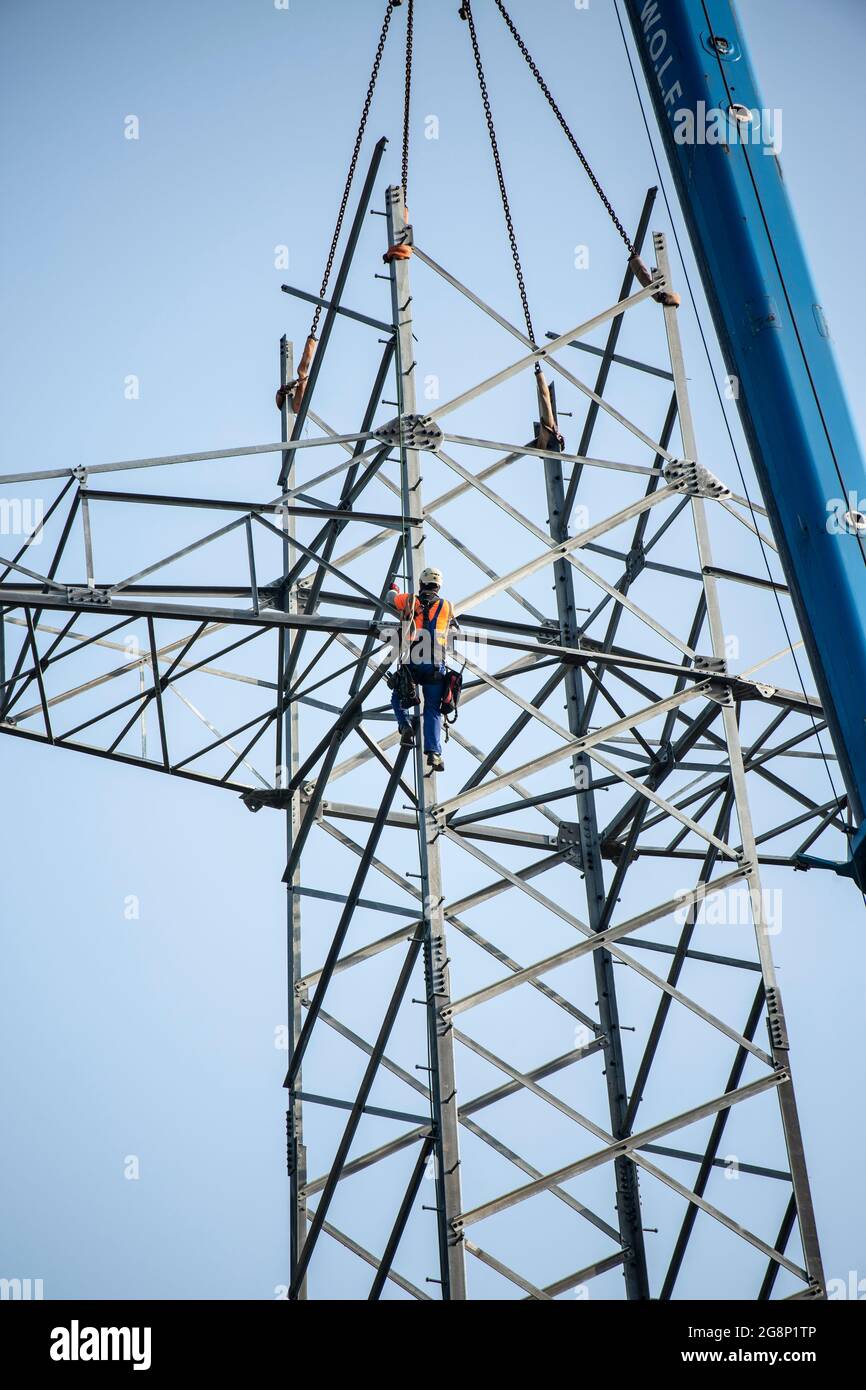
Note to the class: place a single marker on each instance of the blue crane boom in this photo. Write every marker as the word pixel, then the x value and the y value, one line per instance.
pixel 774 337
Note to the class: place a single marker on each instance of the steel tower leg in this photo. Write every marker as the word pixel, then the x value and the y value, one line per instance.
pixel 296 1160
pixel 775 1013
pixel 443 1085
pixel 627 1193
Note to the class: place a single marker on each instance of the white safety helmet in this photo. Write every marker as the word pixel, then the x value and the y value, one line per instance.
pixel 431 575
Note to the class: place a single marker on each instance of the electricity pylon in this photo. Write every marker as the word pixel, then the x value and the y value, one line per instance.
pixel 519 1041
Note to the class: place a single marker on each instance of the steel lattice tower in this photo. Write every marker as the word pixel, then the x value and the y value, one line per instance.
pixel 458 925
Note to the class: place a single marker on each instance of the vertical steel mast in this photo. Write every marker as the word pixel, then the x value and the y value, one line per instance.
pixel 443 1081
pixel 288 750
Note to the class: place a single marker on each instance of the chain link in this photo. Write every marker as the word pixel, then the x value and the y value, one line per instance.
pixel 410 26
pixel 565 126
pixel 466 13
pixel 329 265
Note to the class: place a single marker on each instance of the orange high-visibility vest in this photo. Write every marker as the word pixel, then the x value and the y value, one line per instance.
pixel 441 613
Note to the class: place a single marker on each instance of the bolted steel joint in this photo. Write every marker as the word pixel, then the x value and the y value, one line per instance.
pixel 690 477
pixel 411 432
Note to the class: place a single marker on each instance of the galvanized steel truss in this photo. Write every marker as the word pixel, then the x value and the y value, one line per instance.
pixel 657 784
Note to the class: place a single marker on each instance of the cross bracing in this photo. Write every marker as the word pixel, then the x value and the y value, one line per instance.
pixel 534 1016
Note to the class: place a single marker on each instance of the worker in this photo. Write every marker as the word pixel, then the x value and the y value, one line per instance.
pixel 428 624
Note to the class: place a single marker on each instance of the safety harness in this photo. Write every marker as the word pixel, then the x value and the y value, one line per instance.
pixel 403 681
pixel 431 609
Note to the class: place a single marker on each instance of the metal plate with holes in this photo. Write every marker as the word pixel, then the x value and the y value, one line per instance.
pixel 411 432
pixel 693 478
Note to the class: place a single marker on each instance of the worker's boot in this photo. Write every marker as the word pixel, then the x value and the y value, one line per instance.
pixel 407 736
pixel 435 762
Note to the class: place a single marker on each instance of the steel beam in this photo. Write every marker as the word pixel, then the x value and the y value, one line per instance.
pixel 776 1017
pixel 443 1088
pixel 625 1175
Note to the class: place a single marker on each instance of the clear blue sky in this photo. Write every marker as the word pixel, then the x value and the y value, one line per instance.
pixel 155 258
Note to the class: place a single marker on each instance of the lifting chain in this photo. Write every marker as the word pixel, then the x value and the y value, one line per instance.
pixel 562 121
pixel 466 13
pixel 377 61
pixel 410 26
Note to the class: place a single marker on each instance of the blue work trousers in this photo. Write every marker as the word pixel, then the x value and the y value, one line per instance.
pixel 431 679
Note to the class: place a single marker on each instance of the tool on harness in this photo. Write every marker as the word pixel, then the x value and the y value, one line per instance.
pixel 403 682
pixel 451 697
